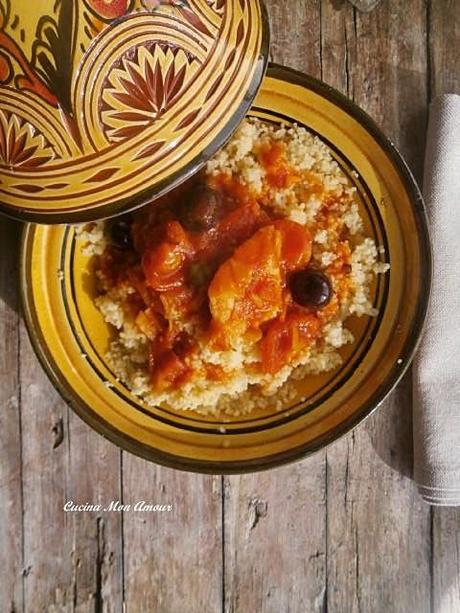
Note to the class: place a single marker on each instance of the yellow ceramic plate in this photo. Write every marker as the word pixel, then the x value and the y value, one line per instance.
pixel 104 103
pixel 70 336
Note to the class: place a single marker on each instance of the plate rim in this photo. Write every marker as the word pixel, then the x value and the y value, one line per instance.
pixel 394 376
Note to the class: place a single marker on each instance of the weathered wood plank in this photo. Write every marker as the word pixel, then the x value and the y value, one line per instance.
pixel 378 528
pixel 377 541
pixel 295 29
pixel 444 61
pixel 94 476
pixel 379 60
pixel 11 563
pixel 275 522
pixel 172 560
pixel 47 539
pixel 72 561
pixel 444 46
pixel 446 560
pixel 275 539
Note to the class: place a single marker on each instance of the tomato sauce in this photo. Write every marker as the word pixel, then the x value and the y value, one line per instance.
pixel 220 283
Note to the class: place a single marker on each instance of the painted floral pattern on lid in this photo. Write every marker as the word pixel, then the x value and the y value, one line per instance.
pixel 104 104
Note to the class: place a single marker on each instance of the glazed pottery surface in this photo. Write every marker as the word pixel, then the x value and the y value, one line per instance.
pixel 71 338
pixel 104 103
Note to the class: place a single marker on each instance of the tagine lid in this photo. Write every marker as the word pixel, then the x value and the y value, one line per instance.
pixel 107 104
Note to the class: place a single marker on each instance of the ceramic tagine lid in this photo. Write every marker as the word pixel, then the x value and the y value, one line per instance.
pixel 105 104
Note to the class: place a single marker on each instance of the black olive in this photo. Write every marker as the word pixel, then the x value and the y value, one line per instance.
pixel 120 233
pixel 311 288
pixel 199 274
pixel 199 209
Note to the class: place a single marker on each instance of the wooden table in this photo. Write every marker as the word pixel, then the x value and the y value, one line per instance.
pixel 342 531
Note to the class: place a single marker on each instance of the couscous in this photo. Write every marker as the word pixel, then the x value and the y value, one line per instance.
pixel 239 282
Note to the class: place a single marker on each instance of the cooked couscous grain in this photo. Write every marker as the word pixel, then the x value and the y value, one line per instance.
pixel 287 174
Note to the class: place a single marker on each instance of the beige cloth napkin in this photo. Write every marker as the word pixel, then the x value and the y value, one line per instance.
pixel 437 366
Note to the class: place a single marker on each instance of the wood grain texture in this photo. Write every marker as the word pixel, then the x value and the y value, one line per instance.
pixel 296 34
pixel 444 62
pixel 172 560
pixel 72 561
pixel 446 560
pixel 342 531
pixel 93 476
pixel 444 46
pixel 378 529
pixel 47 536
pixel 275 539
pixel 11 561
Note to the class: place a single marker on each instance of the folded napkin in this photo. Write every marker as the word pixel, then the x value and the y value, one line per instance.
pixel 436 372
